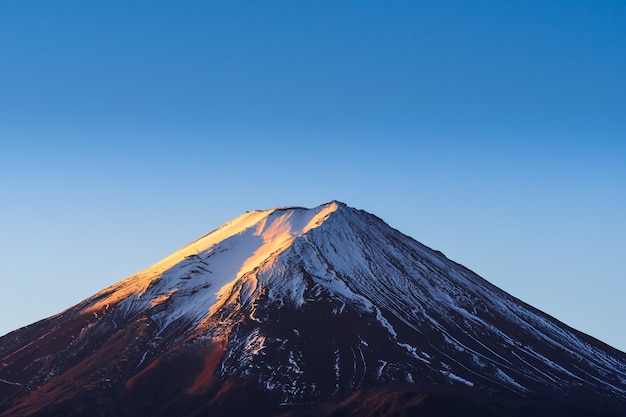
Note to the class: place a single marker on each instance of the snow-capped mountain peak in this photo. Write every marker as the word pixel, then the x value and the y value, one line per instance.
pixel 313 306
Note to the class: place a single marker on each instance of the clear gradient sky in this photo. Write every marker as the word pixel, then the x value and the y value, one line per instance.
pixel 493 131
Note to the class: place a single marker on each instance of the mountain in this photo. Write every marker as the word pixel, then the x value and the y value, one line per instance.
pixel 293 311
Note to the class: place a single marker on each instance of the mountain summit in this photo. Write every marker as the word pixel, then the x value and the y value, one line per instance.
pixel 295 311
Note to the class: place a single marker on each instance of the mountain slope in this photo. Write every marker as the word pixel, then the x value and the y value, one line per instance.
pixel 297 310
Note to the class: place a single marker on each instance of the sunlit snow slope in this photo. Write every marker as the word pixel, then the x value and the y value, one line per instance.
pixel 196 279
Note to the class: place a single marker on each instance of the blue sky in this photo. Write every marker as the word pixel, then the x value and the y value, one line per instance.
pixel 492 131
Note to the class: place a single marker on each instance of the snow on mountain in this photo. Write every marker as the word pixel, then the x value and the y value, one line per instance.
pixel 308 306
pixel 198 278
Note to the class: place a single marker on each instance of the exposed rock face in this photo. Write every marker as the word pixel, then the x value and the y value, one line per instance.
pixel 293 311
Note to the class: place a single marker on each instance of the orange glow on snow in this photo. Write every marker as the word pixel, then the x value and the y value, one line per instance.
pixel 275 228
